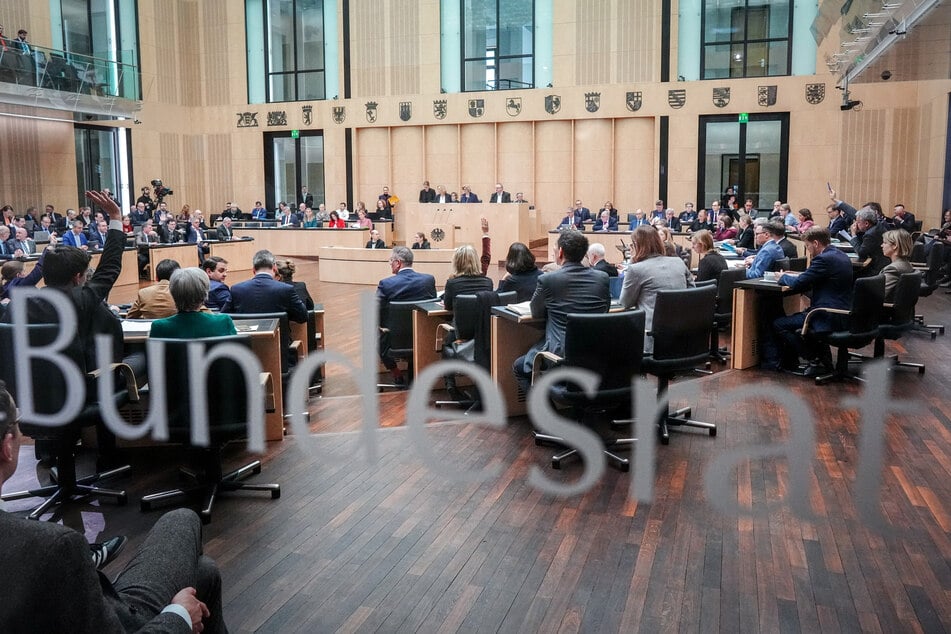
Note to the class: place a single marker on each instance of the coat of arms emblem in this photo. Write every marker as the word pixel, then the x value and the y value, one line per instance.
pixel 406 110
pixel 815 93
pixel 339 114
pixel 552 104
pixel 766 95
pixel 476 107
pixel 513 106
pixel 721 97
pixel 633 101
pixel 440 108
pixel 371 111
pixel 677 98
pixel 592 101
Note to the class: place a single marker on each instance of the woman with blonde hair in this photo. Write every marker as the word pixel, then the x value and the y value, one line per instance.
pixel 896 245
pixel 466 278
pixel 711 263
pixel 285 273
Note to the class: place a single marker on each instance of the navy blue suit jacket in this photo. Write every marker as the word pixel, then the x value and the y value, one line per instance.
pixel 406 286
pixel 829 276
pixel 612 224
pixel 263 294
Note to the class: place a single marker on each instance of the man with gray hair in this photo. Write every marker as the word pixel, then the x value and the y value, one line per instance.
pixel 596 260
pixel 264 294
pixel 866 239
pixel 405 285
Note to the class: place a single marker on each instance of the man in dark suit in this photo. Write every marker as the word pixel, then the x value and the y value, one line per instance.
pixel 829 277
pixel 169 586
pixel 573 288
pixel 219 295
pixel 306 198
pixel 427 194
pixel 500 195
pixel 837 221
pixel 582 213
pixel 903 219
pixel 169 233
pixel 264 294
pixel 375 242
pixel 224 230
pixel 597 262
pixel 789 249
pixel 605 222
pixel 97 237
pixel 468 196
pixel 866 239
pixel 441 196
pixel 405 285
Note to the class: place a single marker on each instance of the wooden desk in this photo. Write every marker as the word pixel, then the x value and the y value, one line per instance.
pixel 185 253
pixel 744 341
pixel 426 318
pixel 303 242
pixel 266 345
pixel 127 284
pixel 460 223
pixel 512 336
pixel 238 254
pixel 369 266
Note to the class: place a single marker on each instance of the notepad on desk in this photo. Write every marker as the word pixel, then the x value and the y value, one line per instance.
pixel 522 308
pixel 246 327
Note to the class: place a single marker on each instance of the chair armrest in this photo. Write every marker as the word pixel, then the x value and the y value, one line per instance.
pixel 297 347
pixel 267 384
pixel 125 371
pixel 834 311
pixel 537 362
pixel 440 337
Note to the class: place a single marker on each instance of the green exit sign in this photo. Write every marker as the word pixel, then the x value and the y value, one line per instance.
pixel 295 134
pixel 743 118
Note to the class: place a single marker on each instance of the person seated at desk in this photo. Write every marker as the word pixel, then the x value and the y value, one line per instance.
pixel 169 233
pixel 744 238
pixel 196 235
pixel 155 302
pixel 380 213
pixel 219 295
pixel 322 214
pixel 501 196
pixel 467 277
pixel 787 216
pixel 671 248
pixel 427 194
pixel 12 276
pixel 651 271
pixel 285 273
pixel 866 239
pixel 725 229
pixel 168 586
pixel 805 220
pixel 362 221
pixel 573 288
pixel 829 277
pixel 442 197
pixel 597 262
pixel 310 219
pixel 896 245
pixel 420 241
pixel 520 198
pixel 711 263
pixel 189 291
pixel 97 235
pixel 903 219
pixel 259 212
pixel 572 220
pixel 127 227
pixel 700 222
pixel 605 222
pixel 673 222
pixel 405 285
pixel 375 242
pixel 687 216
pixel 767 237
pixel 639 220
pixel 468 196
pixel 335 222
pixel 75 237
pixel 224 231
pixel 21 244
pixel 521 273
pixel 146 238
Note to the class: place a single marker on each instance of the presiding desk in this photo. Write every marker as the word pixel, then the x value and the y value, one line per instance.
pixel 454 224
pixel 369 266
pixel 266 345
pixel 747 297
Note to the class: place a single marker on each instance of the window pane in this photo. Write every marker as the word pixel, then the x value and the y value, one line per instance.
pixel 480 28
pixel 496 36
pixel 515 28
pixel 282 87
pixel 763 142
pixel 285 169
pixel 718 21
pixel 716 61
pixel 759 32
pixel 757 55
pixel 312 170
pixel 475 75
pixel 310 34
pixel 777 17
pixel 778 62
pixel 280 35
pixel 722 152
pixel 310 86
pixel 515 73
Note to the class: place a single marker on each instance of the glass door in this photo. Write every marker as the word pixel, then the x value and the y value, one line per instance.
pixel 99 162
pixel 750 159
pixel 292 163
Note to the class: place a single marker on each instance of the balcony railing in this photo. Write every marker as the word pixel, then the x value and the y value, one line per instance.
pixel 39 67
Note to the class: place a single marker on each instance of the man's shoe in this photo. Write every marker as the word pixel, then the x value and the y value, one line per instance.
pixel 106 551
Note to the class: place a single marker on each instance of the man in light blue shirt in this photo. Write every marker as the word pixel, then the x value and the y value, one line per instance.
pixel 767 239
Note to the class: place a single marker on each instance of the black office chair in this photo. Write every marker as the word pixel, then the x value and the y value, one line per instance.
pixel 899 318
pixel 864 317
pixel 227 389
pixel 396 335
pixel 798 264
pixel 49 395
pixel 467 338
pixel 782 264
pixel 681 332
pixel 610 345
pixel 929 284
pixel 723 315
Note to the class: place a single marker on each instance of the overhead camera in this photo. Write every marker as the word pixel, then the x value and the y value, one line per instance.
pixel 886 75
pixel 161 191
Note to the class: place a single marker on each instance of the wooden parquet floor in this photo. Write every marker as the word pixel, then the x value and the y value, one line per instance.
pixel 394 546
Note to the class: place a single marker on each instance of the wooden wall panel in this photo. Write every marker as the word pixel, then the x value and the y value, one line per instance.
pixel 38 161
pixel 404 47
pixel 478 158
pixel 593 161
pixel 367 55
pixel 862 156
pixel 406 173
pixel 189 54
pixel 903 157
pixel 443 158
pixel 635 165
pixel 170 157
pixel 516 158
pixel 215 70
pixel 372 164
pixel 553 161
pixel 593 61
pixel 195 178
pixel 219 176
pixel 164 86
